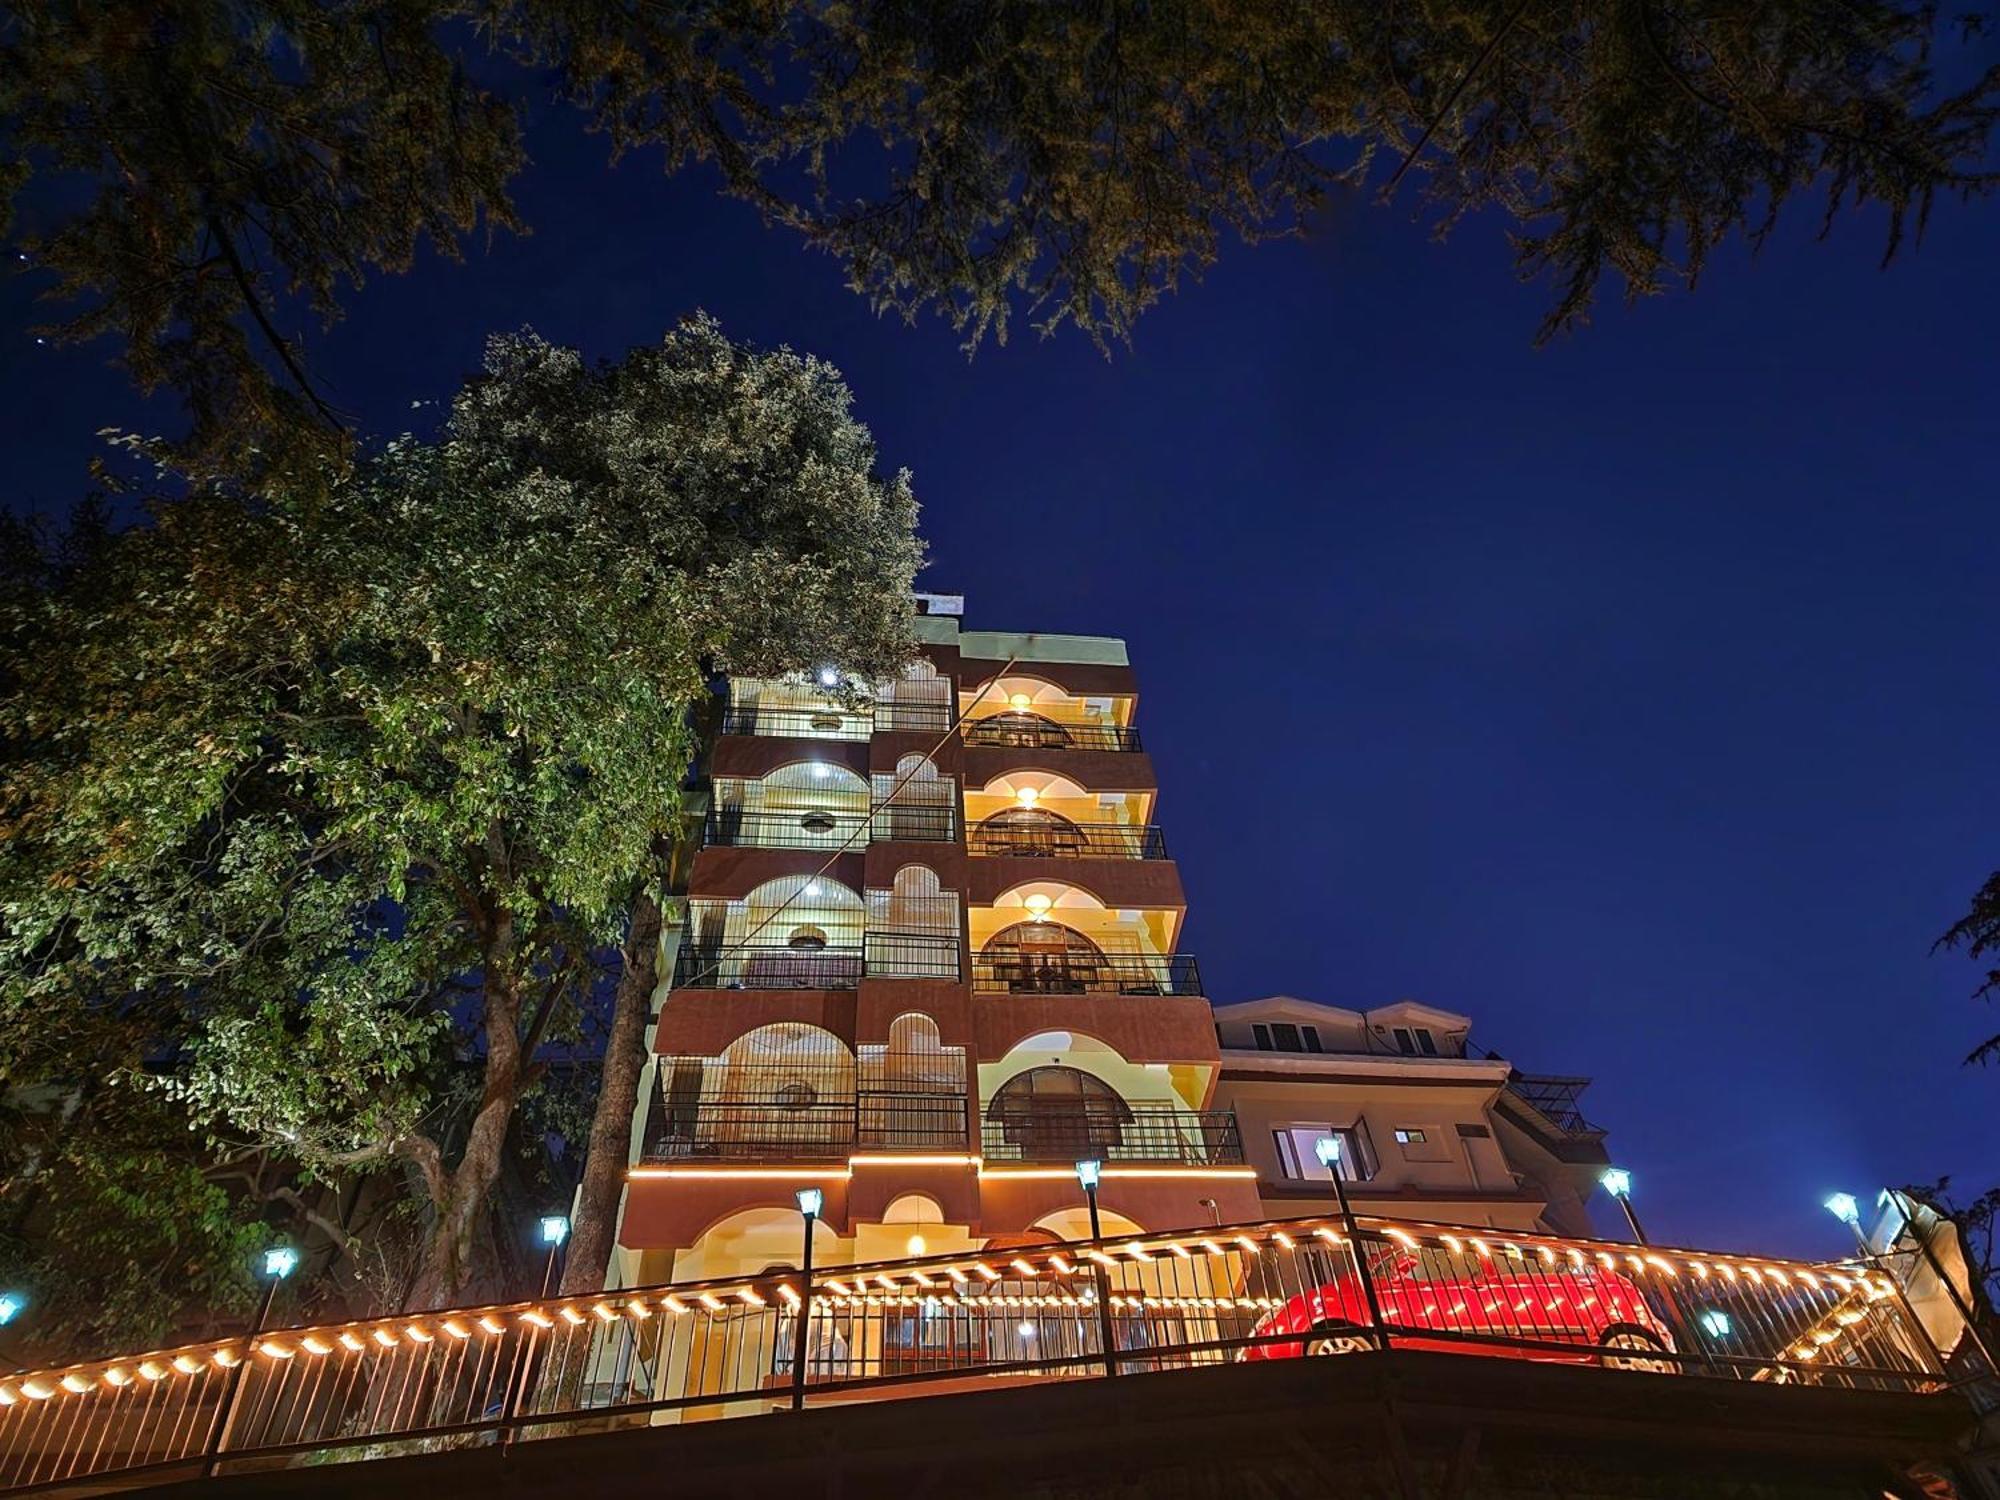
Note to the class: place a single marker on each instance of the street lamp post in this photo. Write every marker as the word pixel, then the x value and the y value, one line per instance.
pixel 811 1200
pixel 1843 1207
pixel 555 1234
pixel 279 1262
pixel 1327 1149
pixel 1088 1174
pixel 11 1304
pixel 1618 1183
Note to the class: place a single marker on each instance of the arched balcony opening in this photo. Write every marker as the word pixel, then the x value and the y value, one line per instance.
pixel 812 804
pixel 913 927
pixel 1056 1113
pixel 1029 833
pixel 794 932
pixel 917 804
pixel 1041 958
pixel 781 1091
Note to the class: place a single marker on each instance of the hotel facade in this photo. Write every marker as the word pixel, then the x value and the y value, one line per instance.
pixel 931 958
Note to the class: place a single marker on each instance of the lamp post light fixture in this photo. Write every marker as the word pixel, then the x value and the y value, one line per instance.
pixel 1090 1172
pixel 553 1231
pixel 278 1262
pixel 1844 1208
pixel 1618 1183
pixel 1328 1148
pixel 11 1304
pixel 811 1201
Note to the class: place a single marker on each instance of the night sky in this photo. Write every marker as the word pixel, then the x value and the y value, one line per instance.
pixel 1638 696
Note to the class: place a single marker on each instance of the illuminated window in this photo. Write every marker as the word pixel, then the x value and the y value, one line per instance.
pixel 1298 1153
pixel 1410 1137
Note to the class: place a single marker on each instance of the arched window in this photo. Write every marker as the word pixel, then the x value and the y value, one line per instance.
pixel 1056 1114
pixel 1028 832
pixel 916 802
pixel 1019 730
pixel 1043 958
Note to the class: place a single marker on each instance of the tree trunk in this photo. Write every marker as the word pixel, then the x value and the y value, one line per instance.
pixel 596 1216
pixel 460 1194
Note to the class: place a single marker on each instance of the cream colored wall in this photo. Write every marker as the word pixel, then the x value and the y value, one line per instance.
pixel 1160 1085
pixel 1020 693
pixel 1446 1162
pixel 1148 931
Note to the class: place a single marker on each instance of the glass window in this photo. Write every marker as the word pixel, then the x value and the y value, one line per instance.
pixel 1404 1042
pixel 1285 1037
pixel 1426 1043
pixel 1410 1137
pixel 1298 1153
pixel 1262 1036
pixel 1311 1035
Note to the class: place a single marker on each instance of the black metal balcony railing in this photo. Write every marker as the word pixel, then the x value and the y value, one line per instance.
pixel 798 723
pixel 767 966
pixel 779 966
pixel 1025 732
pixel 802 1127
pixel 1182 1137
pixel 929 718
pixel 793 828
pixel 1067 841
pixel 829 828
pixel 1022 973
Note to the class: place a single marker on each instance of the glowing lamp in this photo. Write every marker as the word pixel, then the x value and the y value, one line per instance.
pixel 1843 1207
pixel 555 1229
pixel 280 1261
pixel 1027 1330
pixel 1090 1173
pixel 1027 796
pixel 11 1304
pixel 916 1245
pixel 1019 702
pixel 811 1201
pixel 820 771
pixel 828 677
pixel 812 888
pixel 1038 907
pixel 1327 1149
pixel 1616 1181
pixel 1715 1323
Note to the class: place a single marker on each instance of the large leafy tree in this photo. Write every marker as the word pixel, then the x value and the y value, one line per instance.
pixel 242 162
pixel 345 794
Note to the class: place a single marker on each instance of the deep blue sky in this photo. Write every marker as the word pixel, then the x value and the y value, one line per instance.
pixel 1639 696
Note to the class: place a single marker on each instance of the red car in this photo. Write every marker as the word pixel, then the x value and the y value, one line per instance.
pixel 1600 1310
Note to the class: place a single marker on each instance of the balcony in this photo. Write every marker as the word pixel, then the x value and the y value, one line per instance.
pixel 828 828
pixel 1037 835
pixel 1176 1137
pixel 798 723
pixel 1025 731
pixel 791 1122
pixel 781 966
pixel 1028 971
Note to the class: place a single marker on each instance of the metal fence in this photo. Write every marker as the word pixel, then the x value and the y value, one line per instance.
pixel 1029 971
pixel 737 1347
pixel 1060 839
pixel 1029 732
pixel 798 723
pixel 705 1110
pixel 779 966
pixel 1183 1136
pixel 727 1348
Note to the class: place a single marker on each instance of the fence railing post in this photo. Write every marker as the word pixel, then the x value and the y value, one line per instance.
pixel 517 1384
pixel 802 1333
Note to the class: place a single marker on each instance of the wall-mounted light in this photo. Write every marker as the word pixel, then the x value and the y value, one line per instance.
pixel 1027 796
pixel 1019 702
pixel 1038 907
pixel 916 1245
pixel 820 770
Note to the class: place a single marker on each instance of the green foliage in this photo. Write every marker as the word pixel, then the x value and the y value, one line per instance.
pixel 1977 934
pixel 246 161
pixel 333 797
pixel 116 1230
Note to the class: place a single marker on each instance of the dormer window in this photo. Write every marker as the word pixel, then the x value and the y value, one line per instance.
pixel 1416 1041
pixel 1283 1036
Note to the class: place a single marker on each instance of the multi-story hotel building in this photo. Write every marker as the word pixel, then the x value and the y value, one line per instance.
pixel 931 959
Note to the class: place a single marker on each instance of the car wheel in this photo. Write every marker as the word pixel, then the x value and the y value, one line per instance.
pixel 1338 1338
pixel 1642 1344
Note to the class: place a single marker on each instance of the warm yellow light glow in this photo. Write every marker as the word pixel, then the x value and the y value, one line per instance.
pixel 34 1390
pixel 187 1364
pixel 419 1333
pixel 539 1318
pixel 570 1315
pixel 1038 907
pixel 791 1297
pixel 492 1324
pixel 1019 702
pixel 605 1312
pixel 709 1301
pixel 456 1329
pixel 8 1396
pixel 75 1383
pixel 229 1359
pixel 926 1159
pixel 1050 1174
pixel 117 1375
pixel 673 1304
pixel 153 1370
pixel 275 1351
pixel 385 1338
pixel 915 1244
pixel 1027 796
